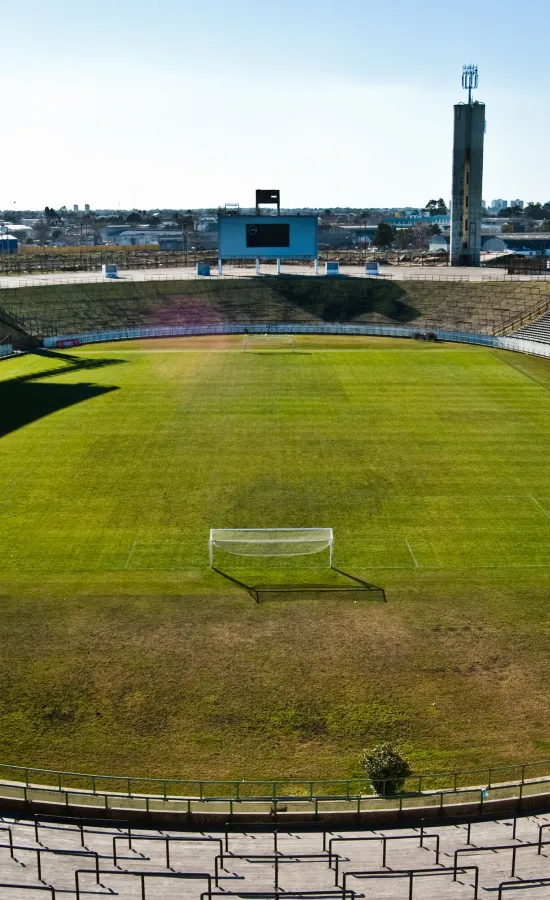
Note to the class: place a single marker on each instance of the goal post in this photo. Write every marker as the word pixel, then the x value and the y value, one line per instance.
pixel 271 542
pixel 269 342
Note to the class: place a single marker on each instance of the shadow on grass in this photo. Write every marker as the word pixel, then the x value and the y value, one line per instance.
pixel 26 398
pixel 70 364
pixel 353 585
pixel 22 403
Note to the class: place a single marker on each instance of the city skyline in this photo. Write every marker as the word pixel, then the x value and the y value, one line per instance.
pixel 116 106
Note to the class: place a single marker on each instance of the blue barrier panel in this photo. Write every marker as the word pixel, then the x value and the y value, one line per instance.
pixel 518 345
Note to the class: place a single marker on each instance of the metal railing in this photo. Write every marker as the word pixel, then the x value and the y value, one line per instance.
pixel 532 348
pixel 110 792
pixel 8 282
pixel 527 316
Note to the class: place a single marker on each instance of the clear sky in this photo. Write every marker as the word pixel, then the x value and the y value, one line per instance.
pixel 182 103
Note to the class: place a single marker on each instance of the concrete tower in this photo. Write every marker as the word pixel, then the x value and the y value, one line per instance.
pixel 469 133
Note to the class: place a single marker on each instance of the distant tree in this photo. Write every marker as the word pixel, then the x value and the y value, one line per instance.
pixel 383 236
pixel 386 769
pixel 436 207
pixel 183 220
pixel 510 212
pixel 534 211
pixel 403 238
pixel 434 229
pixel 545 225
pixel 134 218
pixel 41 231
pixel 51 215
pixel 507 228
pixel 420 236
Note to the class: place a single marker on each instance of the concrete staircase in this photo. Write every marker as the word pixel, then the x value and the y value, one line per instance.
pixel 539 330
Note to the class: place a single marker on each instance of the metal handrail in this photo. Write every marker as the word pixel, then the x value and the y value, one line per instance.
pixel 147 276
pixel 270 788
pixel 527 317
pixel 113 800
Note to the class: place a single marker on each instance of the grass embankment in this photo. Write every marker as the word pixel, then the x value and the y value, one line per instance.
pixel 61 309
pixel 121 652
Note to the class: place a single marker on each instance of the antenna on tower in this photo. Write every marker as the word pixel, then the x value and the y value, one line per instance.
pixel 469 80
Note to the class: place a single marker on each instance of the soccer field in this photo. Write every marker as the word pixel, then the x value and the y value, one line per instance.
pixel 122 652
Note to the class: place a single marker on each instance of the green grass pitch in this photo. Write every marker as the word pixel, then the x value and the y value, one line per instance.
pixel 121 652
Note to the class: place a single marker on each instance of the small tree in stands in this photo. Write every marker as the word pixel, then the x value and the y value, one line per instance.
pixel 386 769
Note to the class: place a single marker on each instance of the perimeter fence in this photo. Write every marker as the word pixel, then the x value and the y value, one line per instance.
pixel 532 348
pixel 6 350
pixel 14 281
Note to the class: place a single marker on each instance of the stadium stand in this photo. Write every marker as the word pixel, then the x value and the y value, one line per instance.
pixel 14 330
pixel 56 855
pixel 475 307
pixel 539 330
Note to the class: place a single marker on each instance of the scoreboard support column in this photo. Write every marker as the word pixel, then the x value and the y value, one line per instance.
pixel 220 267
pixel 257 266
pixel 316 265
pixel 278 267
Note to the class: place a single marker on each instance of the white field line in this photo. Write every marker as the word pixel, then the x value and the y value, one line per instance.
pixel 133 547
pixel 466 567
pixel 542 509
pixel 412 554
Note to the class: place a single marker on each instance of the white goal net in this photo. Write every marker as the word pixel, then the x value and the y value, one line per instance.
pixel 270 541
pixel 269 342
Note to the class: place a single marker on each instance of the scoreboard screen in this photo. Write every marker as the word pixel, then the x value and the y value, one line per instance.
pixel 268 235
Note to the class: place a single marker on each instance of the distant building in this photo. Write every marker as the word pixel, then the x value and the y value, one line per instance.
pixel 8 244
pixel 497 205
pixel 172 240
pixel 207 223
pixel 534 244
pixel 439 243
pixel 75 207
pixel 109 233
pixel 132 237
pixel 490 243
pixel 86 207
pixel 518 203
pixel 410 221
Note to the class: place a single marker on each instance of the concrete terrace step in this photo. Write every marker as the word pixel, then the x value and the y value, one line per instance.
pixel 259 861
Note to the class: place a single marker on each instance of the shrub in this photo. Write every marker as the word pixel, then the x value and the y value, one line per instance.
pixel 386 769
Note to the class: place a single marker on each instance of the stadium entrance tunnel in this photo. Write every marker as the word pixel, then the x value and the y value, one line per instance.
pixel 342 586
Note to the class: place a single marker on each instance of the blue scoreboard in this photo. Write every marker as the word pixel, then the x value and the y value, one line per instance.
pixel 267 237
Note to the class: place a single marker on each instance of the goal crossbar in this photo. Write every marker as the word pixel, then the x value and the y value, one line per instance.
pixel 270 541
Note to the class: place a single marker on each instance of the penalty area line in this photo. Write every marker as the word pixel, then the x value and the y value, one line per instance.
pixel 132 548
pixel 542 509
pixel 412 554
